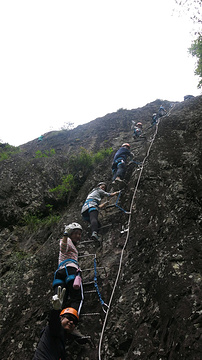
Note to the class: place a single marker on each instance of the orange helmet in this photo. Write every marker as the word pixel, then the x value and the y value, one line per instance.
pixel 139 124
pixel 126 144
pixel 71 311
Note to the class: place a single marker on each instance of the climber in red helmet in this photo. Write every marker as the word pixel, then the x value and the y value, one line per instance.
pixel 60 327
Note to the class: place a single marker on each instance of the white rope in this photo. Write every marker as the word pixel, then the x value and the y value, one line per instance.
pixel 127 236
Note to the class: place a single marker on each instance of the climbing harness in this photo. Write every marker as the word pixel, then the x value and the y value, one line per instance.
pixel 68 277
pixel 127 237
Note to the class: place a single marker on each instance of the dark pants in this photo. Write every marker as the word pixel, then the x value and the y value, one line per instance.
pixel 73 298
pixel 119 170
pixel 92 218
pixel 94 222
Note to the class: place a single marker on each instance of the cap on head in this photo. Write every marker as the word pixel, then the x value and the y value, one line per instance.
pixel 71 227
pixel 71 311
pixel 139 124
pixel 126 144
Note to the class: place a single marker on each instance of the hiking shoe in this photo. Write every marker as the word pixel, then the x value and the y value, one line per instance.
pixel 118 180
pixel 94 235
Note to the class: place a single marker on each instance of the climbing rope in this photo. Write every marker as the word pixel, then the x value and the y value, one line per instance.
pixel 127 235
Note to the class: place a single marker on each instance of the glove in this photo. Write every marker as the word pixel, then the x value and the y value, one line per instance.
pixel 57 299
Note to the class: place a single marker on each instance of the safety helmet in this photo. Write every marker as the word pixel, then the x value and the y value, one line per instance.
pixel 126 144
pixel 139 124
pixel 154 114
pixel 102 183
pixel 71 227
pixel 71 311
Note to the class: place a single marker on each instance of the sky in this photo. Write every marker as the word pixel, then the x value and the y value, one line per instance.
pixel 73 61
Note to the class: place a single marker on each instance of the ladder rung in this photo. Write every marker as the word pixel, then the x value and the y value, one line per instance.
pixel 99 267
pixel 80 256
pixel 90 314
pixel 88 283
pixel 87 241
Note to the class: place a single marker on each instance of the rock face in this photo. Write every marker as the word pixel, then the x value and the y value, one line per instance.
pixel 149 263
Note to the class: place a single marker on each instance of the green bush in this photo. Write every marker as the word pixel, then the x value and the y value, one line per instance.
pixel 66 186
pixel 85 160
pixel 6 151
pixel 39 154
pixel 101 155
pixel 33 221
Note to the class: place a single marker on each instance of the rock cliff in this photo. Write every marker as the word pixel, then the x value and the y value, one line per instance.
pixel 149 262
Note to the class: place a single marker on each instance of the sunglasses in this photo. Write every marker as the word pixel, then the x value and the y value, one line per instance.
pixel 71 318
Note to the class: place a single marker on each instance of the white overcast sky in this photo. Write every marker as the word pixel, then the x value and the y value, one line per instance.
pixel 73 61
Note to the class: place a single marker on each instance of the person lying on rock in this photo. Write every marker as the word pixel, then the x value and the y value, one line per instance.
pixel 119 162
pixel 92 205
pixel 61 326
pixel 68 271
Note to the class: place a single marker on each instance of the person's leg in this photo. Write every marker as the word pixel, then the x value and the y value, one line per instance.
pixel 94 220
pixel 114 170
pixel 121 170
pixel 75 299
pixel 61 275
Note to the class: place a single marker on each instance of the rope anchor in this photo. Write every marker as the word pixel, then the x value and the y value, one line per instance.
pixel 124 230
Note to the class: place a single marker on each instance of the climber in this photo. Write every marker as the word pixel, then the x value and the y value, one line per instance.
pixel 61 326
pixel 137 130
pixel 154 119
pixel 161 112
pixel 92 205
pixel 68 269
pixel 119 163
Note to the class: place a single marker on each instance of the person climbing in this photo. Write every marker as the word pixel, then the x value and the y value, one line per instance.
pixel 119 162
pixel 92 205
pixel 60 327
pixel 161 111
pixel 68 269
pixel 154 119
pixel 137 130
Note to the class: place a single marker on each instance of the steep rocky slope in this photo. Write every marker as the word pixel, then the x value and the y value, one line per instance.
pixel 154 292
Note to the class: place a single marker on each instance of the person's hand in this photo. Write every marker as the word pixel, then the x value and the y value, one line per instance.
pixel 66 230
pixel 57 299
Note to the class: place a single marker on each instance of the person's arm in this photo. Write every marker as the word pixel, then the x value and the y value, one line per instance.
pixel 54 322
pixel 109 195
pixel 131 155
pixel 63 242
pixel 101 206
pixel 115 193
